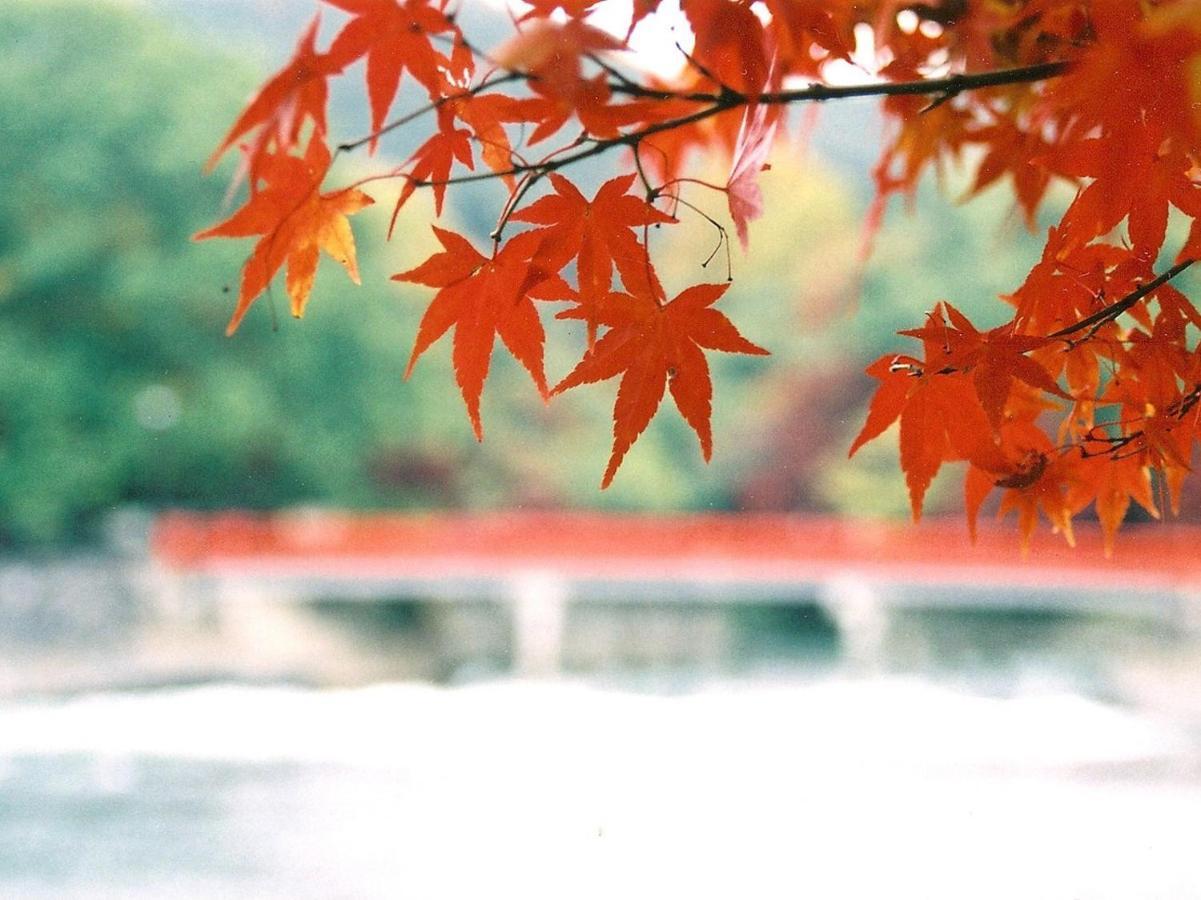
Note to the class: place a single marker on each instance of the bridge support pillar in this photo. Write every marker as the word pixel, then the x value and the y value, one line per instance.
pixel 1188 609
pixel 860 613
pixel 538 604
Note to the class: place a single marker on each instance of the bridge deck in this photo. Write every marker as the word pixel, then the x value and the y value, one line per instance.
pixel 747 550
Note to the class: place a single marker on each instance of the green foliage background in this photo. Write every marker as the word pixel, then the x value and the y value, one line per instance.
pixel 117 386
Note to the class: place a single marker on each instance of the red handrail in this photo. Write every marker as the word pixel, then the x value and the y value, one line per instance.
pixel 742 546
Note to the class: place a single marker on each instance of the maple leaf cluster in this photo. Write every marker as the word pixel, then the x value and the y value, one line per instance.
pixel 1087 395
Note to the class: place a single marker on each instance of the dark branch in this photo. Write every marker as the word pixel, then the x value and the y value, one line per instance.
pixel 948 86
pixel 1115 309
pixel 727 100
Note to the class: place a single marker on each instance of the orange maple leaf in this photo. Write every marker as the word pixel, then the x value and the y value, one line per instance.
pixel 485 115
pixel 296 93
pixel 481 298
pixel 296 222
pixel 730 43
pixel 1112 483
pixel 942 420
pixel 431 164
pixel 598 233
pixel 642 9
pixel 552 53
pixel 655 348
pixel 394 37
pixel 994 358
pixel 1133 179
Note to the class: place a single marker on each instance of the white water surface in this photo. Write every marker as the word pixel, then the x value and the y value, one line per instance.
pixel 876 787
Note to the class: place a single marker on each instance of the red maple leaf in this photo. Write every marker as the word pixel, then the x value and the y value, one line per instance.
pixel 994 358
pixel 394 37
pixel 655 348
pixel 552 53
pixel 642 9
pixel 808 32
pixel 431 164
pixel 1111 484
pixel 730 43
pixel 1018 152
pixel 1133 179
pixel 667 153
pixel 591 102
pixel 296 93
pixel 296 221
pixel 543 9
pixel 1041 480
pixel 1135 71
pixel 598 233
pixel 942 420
pixel 481 298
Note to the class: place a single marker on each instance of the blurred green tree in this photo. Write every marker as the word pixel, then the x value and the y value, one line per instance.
pixel 116 384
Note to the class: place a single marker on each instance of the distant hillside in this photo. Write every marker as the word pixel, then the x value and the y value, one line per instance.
pixel 271 26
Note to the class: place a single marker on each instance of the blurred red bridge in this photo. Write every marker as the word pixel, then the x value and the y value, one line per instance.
pixel 367 554
pixel 540 562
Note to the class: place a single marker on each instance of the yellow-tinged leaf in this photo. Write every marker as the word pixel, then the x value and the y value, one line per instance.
pixel 296 221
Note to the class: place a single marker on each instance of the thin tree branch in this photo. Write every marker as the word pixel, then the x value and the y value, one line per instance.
pixel 727 100
pixel 1115 309
pixel 950 86
pixel 504 78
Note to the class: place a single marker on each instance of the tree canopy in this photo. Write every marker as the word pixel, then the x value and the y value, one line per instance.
pixel 1086 395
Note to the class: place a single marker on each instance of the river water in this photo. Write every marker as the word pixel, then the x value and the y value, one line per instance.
pixel 811 786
